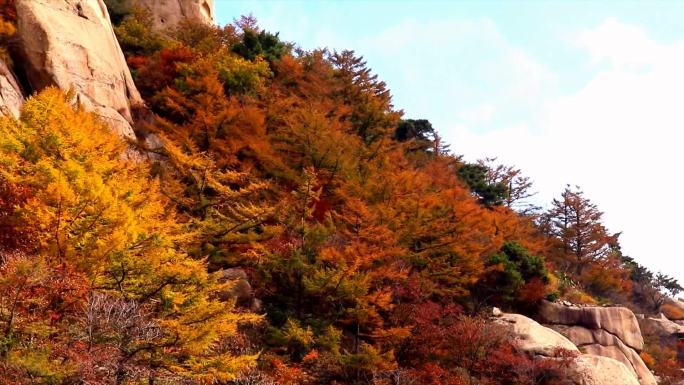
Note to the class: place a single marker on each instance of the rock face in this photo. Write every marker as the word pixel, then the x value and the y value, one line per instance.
pixel 601 343
pixel 534 338
pixel 11 96
pixel 587 369
pixel 673 309
pixel 619 321
pixel 603 331
pixel 662 326
pixel 71 44
pixel 168 13
pixel 598 370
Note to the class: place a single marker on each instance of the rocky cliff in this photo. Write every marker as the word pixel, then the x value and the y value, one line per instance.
pixel 71 44
pixel 546 343
pixel 674 310
pixel 604 331
pixel 608 338
pixel 662 326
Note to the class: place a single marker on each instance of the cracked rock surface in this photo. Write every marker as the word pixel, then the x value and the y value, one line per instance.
pixel 598 365
pixel 611 332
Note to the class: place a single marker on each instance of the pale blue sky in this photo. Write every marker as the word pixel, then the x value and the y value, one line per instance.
pixel 579 92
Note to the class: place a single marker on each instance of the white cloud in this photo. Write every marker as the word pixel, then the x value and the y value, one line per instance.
pixel 530 77
pixel 632 114
pixel 479 115
pixel 619 44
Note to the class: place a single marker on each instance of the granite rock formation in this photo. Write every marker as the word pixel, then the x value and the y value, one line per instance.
pixel 71 44
pixel 168 13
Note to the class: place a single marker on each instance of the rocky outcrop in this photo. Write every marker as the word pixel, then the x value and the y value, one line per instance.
pixel 11 95
pixel 599 370
pixel 604 331
pixel 534 338
pixel 71 44
pixel 602 343
pixel 168 13
pixel 662 326
pixel 673 309
pixel 619 321
pixel 545 343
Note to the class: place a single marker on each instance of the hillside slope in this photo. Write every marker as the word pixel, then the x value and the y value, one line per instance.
pixel 187 204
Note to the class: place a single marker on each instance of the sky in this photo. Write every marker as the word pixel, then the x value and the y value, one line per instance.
pixel 581 93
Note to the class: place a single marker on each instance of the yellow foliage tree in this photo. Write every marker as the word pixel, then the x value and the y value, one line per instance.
pixel 100 213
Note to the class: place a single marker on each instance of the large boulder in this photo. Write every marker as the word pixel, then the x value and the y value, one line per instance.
pixel 673 309
pixel 600 342
pixel 585 369
pixel 168 13
pixel 71 44
pixel 591 369
pixel 533 338
pixel 625 355
pixel 11 95
pixel 611 332
pixel 619 321
pixel 662 326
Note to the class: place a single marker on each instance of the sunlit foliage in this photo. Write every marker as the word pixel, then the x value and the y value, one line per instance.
pixel 370 248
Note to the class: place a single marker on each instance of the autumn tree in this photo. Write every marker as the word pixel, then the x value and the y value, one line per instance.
pixel 576 224
pixel 609 277
pixel 372 117
pixel 135 32
pixel 102 219
pixel 14 235
pixel 650 290
pixel 518 186
pixel 490 191
pixel 447 233
pixel 360 269
pixel 513 277
pixel 257 43
pixel 210 143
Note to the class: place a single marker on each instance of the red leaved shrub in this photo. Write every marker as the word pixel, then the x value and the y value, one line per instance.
pixel 14 234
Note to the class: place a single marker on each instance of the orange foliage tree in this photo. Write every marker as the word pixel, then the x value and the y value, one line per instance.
pixel 581 238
